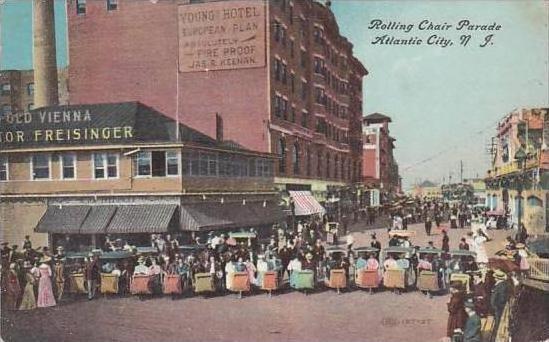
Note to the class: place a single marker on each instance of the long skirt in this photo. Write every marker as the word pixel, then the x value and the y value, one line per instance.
pixel 29 301
pixel 45 293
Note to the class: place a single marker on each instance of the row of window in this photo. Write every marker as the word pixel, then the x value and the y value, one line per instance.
pixel 284 111
pixel 342 167
pixel 333 56
pixel 105 165
pixel 218 164
pixel 111 5
pixel 5 89
pixel 7 108
pixel 331 131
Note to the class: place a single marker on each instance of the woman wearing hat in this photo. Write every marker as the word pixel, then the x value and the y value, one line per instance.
pixel 45 292
pixel 29 300
pixel 456 310
pixel 13 290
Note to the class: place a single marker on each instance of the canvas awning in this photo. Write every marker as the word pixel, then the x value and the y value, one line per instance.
pixel 62 219
pixel 145 218
pixel 306 204
pixel 217 216
pixel 98 219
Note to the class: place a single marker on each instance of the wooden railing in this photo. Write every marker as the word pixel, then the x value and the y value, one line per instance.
pixel 539 269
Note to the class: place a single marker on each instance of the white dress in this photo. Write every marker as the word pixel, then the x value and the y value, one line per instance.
pixel 482 257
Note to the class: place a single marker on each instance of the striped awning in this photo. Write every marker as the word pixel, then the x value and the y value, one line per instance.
pixel 218 216
pixel 305 203
pixel 143 218
pixel 62 219
pixel 98 219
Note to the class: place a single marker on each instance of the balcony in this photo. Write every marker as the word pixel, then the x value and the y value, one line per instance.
pixel 539 269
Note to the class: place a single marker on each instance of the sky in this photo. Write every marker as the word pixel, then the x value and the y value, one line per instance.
pixel 444 102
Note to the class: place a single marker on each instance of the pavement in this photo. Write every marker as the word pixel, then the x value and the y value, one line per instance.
pixel 324 315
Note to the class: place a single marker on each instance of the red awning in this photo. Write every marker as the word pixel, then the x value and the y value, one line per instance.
pixel 306 204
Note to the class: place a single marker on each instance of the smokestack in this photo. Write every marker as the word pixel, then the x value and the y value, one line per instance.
pixel 44 54
pixel 218 127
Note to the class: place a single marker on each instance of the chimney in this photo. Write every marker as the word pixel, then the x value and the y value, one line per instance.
pixel 44 54
pixel 218 127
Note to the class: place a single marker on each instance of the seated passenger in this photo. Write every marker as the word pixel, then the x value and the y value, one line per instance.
pixel 390 263
pixel 403 263
pixel 141 269
pixel 372 264
pixel 361 262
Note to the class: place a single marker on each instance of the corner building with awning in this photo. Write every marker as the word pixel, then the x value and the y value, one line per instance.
pixel 126 170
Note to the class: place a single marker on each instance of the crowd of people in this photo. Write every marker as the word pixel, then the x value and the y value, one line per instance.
pixel 34 278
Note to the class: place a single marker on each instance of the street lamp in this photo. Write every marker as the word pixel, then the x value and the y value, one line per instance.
pixel 520 157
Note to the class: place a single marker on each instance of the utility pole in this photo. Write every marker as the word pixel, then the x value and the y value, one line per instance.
pixel 461 171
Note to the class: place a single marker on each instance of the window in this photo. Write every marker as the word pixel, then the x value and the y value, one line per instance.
pixel 6 109
pixel 284 108
pixel 209 163
pixel 281 150
pixel 277 69
pixel 292 114
pixel 308 162
pixel 41 166
pixel 292 82
pixel 172 163
pixel 295 159
pixel 319 164
pixel 112 5
pixel 284 73
pixel 327 165
pixel 156 163
pixel 105 165
pixel 142 164
pixel 303 89
pixel 3 168
pixel 303 57
pixel 68 166
pixel 30 106
pixel 291 14
pixel 6 88
pixel 292 47
pixel 277 30
pixel 336 166
pixel 319 67
pixel 304 118
pixel 30 89
pixel 277 103
pixel 80 6
pixel 320 96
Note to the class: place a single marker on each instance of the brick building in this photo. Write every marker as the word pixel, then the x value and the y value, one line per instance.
pixel 278 74
pixel 17 90
pixel 121 169
pixel 379 167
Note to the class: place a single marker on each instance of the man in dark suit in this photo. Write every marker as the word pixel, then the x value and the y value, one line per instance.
pixel 92 275
pixel 499 296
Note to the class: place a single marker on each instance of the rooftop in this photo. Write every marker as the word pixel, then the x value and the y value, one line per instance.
pixel 377 117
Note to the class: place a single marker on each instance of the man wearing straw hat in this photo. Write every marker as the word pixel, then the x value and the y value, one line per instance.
pixel 499 295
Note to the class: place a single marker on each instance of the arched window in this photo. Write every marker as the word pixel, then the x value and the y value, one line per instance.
pixel 295 158
pixel 327 165
pixel 336 166
pixel 319 165
pixel 281 150
pixel 308 151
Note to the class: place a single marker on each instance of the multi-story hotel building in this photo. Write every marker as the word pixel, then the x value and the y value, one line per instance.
pixel 278 73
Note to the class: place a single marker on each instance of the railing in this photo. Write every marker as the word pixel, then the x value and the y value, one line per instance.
pixel 539 269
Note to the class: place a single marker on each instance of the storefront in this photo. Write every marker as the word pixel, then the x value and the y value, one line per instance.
pixel 126 171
